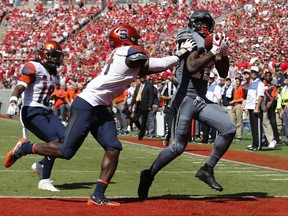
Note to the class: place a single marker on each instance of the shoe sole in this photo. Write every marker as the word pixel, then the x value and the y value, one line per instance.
pixel 113 204
pixel 7 161
pixel 44 189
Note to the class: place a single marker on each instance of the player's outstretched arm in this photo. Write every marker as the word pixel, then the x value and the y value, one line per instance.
pixel 157 65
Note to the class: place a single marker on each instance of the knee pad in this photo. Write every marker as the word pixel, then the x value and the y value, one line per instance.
pixel 231 128
pixel 113 146
pixel 177 148
pixel 230 131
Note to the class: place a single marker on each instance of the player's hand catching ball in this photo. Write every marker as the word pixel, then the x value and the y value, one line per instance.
pixel 215 41
pixel 224 50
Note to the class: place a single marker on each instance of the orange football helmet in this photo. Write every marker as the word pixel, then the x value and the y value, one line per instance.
pixel 123 35
pixel 51 52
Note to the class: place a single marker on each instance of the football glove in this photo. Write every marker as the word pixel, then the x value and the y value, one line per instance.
pixel 185 48
pixel 224 50
pixel 219 39
pixel 12 110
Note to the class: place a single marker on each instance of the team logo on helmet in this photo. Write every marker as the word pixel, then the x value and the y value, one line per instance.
pixel 123 35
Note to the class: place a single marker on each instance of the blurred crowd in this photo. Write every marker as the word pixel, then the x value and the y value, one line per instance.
pixel 82 31
pixel 257 33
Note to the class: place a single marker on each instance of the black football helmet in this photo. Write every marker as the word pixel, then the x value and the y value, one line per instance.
pixel 202 22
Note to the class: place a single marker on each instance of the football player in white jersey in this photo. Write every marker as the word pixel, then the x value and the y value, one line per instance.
pixel 90 110
pixel 36 84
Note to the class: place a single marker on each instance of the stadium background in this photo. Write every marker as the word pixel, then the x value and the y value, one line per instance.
pixel 6 32
pixel 255 185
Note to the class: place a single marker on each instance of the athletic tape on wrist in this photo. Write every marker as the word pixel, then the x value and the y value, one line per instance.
pixel 13 98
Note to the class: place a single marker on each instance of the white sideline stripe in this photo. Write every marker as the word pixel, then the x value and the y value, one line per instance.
pixel 120 171
pixel 189 153
pixel 271 175
pixel 61 171
pixel 238 168
pixel 244 171
pixel 135 197
pixel 284 179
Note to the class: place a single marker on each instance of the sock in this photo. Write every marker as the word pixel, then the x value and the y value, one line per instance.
pixel 48 164
pixel 207 167
pixel 42 161
pixel 27 147
pixel 100 188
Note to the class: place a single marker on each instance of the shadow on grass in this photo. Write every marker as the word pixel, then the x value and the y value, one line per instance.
pixel 77 185
pixel 270 149
pixel 247 196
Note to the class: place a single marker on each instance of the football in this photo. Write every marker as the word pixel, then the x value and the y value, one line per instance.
pixel 209 41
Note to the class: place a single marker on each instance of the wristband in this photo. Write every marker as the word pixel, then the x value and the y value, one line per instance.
pixel 182 53
pixel 13 98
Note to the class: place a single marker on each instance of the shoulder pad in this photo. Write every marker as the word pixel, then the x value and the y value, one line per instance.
pixel 184 34
pixel 29 69
pixel 136 49
pixel 136 60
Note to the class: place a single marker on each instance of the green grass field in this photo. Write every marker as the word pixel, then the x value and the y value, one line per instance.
pixel 77 177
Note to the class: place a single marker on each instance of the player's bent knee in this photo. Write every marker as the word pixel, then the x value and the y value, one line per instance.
pixel 177 149
pixel 231 128
pixel 228 128
pixel 68 154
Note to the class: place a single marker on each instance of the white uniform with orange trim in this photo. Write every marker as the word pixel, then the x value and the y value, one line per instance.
pixel 39 85
pixel 103 89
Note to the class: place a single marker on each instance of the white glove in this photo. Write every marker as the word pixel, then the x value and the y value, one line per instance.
pixel 219 39
pixel 224 50
pixel 185 49
pixel 12 110
pixel 189 44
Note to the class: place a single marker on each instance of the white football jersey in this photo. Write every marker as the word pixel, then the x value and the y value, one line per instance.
pixel 114 78
pixel 39 85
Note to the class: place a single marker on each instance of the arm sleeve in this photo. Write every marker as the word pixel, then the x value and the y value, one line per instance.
pixel 161 64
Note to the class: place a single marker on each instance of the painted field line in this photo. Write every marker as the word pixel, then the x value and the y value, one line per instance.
pixel 280 179
pixel 135 197
pixel 273 174
pixel 197 155
pixel 60 171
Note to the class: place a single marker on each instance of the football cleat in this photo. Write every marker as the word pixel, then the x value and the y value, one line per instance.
pixel 146 180
pixel 38 169
pixel 208 178
pixel 101 201
pixel 250 148
pixel 272 144
pixel 46 184
pixel 15 153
